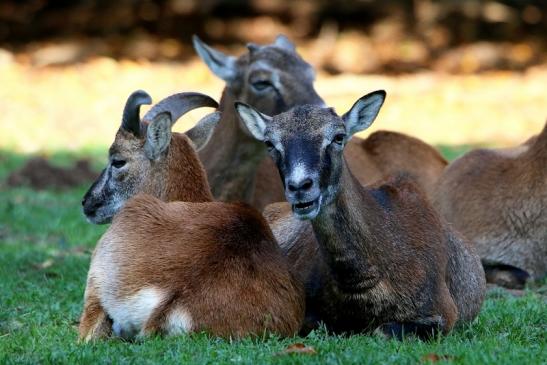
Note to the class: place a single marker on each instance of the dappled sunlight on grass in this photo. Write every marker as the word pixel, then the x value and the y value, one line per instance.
pixel 79 106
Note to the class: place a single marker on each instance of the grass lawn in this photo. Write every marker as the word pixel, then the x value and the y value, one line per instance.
pixel 45 247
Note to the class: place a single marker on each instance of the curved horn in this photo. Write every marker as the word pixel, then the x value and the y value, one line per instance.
pixel 252 47
pixel 178 105
pixel 131 117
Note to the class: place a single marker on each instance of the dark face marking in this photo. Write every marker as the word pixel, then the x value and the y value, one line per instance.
pixel 119 181
pixel 307 144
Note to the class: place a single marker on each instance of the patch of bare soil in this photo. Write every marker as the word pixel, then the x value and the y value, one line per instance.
pixel 39 173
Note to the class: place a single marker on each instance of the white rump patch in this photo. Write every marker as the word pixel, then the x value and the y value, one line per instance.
pixel 179 321
pixel 129 315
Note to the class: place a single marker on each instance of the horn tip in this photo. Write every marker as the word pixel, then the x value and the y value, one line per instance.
pixel 142 96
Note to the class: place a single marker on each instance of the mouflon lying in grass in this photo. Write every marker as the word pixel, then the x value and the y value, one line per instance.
pixel 384 257
pixel 498 199
pixel 174 261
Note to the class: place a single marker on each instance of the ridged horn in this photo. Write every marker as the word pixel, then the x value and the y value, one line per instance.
pixel 131 112
pixel 178 105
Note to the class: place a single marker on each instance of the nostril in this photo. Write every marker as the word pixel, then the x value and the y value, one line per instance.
pixel 91 205
pixel 303 185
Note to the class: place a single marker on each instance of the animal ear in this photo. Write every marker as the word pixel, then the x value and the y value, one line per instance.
pixel 201 133
pixel 158 136
pixel 220 64
pixel 254 121
pixel 282 41
pixel 364 111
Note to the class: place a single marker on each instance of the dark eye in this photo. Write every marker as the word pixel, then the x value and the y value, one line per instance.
pixel 269 145
pixel 261 85
pixel 339 139
pixel 118 163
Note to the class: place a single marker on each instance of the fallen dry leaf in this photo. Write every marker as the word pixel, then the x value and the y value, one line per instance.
pixel 298 348
pixel 43 265
pixel 436 357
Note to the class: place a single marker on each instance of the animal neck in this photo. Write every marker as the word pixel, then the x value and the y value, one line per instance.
pixel 186 178
pixel 231 158
pixel 344 227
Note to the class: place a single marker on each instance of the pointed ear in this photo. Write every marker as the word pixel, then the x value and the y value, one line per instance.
pixel 220 64
pixel 364 111
pixel 255 121
pixel 158 136
pixel 282 41
pixel 201 133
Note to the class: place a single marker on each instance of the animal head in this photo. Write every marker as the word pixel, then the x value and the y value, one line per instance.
pixel 272 78
pixel 138 158
pixel 307 145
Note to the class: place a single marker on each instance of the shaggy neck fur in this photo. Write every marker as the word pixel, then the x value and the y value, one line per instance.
pixel 231 158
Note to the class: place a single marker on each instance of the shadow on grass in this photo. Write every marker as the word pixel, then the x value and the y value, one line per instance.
pixel 11 161
pixel 53 216
pixel 48 219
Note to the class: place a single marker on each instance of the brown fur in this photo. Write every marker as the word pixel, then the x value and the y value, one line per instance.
pixel 183 173
pixel 170 179
pixel 377 157
pixel 386 153
pixel 239 169
pixel 231 158
pixel 217 263
pixel 94 322
pixel 382 255
pixel 498 199
pixel 431 264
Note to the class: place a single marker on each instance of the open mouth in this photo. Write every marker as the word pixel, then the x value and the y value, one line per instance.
pixel 307 210
pixel 301 206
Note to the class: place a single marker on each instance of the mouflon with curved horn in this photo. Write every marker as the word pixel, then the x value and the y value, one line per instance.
pixel 173 261
pixel 132 168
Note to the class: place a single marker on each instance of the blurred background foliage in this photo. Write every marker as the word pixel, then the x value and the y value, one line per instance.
pixel 457 72
pixel 394 36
